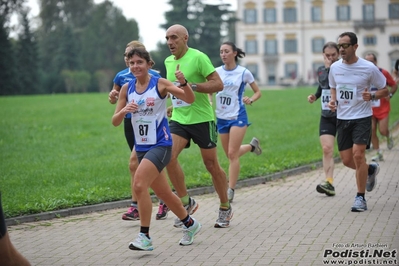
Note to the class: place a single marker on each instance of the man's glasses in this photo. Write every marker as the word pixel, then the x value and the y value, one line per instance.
pixel 343 45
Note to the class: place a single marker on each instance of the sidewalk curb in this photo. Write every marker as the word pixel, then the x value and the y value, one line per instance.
pixel 125 203
pixel 193 192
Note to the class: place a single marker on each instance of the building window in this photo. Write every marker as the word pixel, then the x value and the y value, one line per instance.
pixel 291 70
pixel 250 16
pixel 271 74
pixel 370 40
pixel 393 11
pixel 289 14
pixel 368 12
pixel 317 45
pixel 269 15
pixel 316 13
pixel 251 47
pixel 253 68
pixel 270 47
pixel 394 39
pixel 343 13
pixel 290 46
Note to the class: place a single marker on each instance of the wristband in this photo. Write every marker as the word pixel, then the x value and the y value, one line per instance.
pixel 184 84
pixel 390 95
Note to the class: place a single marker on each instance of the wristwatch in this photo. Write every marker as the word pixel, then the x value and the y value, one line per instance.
pixel 194 86
pixel 390 95
pixel 184 84
pixel 373 96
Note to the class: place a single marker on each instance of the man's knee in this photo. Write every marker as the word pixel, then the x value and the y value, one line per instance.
pixel 328 149
pixel 211 164
pixel 346 159
pixel 359 156
pixel 384 131
pixel 347 162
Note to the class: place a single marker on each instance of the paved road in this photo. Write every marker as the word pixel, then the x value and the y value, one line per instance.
pixel 282 222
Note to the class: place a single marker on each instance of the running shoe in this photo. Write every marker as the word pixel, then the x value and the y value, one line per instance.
pixel 390 141
pixel 189 233
pixel 224 218
pixel 378 157
pixel 360 204
pixel 191 208
pixel 142 242
pixel 230 194
pixel 132 214
pixel 372 179
pixel 162 212
pixel 255 143
pixel 326 188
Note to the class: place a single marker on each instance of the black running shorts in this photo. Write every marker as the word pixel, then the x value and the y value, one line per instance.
pixel 328 126
pixel 204 134
pixel 357 131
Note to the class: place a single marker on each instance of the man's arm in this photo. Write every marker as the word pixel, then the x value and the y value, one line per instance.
pixel 391 83
pixel 381 93
pixel 114 94
pixel 213 84
pixel 333 100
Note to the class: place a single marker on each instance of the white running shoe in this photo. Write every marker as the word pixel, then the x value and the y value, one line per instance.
pixel 256 144
pixel 189 233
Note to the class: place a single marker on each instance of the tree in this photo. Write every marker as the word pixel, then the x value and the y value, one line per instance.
pixel 67 56
pixel 76 81
pixel 62 24
pixel 7 63
pixel 28 59
pixel 7 7
pixel 207 24
pixel 105 38
pixel 104 41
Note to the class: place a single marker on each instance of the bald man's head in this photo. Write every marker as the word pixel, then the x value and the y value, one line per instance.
pixel 176 39
pixel 178 29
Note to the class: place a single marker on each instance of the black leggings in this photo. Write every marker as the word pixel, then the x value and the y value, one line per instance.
pixel 129 134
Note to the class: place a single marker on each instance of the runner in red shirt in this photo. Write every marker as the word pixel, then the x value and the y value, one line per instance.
pixel 381 109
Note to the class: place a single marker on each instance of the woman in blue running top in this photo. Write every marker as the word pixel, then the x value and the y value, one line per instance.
pixel 145 98
pixel 120 79
pixel 232 119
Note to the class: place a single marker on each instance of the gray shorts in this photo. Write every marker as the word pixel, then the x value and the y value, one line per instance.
pixel 357 131
pixel 159 156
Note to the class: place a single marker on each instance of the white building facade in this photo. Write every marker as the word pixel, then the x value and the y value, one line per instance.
pixel 283 39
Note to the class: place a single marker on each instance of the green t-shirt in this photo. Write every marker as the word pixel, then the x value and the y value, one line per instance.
pixel 196 66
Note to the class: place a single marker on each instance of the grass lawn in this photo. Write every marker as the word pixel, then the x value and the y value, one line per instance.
pixel 61 151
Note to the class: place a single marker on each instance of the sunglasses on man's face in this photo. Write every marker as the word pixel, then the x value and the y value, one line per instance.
pixel 343 45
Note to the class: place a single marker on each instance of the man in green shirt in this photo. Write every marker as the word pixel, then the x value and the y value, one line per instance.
pixel 194 121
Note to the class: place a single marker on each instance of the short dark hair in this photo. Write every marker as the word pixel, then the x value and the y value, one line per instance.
pixel 141 52
pixel 330 45
pixel 352 36
pixel 374 56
